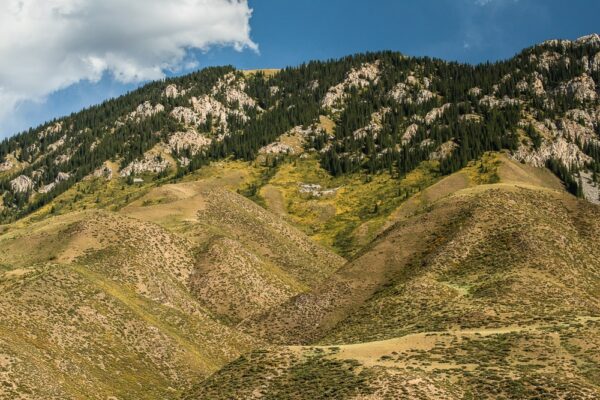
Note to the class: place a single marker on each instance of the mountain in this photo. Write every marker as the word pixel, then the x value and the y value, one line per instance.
pixel 369 112
pixel 378 226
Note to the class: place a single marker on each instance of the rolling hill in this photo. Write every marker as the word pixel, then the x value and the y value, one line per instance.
pixel 482 291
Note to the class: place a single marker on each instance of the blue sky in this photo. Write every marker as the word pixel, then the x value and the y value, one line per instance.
pixel 289 32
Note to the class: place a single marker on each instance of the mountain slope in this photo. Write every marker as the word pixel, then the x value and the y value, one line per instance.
pixel 148 303
pixel 501 299
pixel 371 112
pixel 99 303
pixel 378 226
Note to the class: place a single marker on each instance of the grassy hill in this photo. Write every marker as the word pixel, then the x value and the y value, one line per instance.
pixel 480 284
pixel 472 291
pixel 101 303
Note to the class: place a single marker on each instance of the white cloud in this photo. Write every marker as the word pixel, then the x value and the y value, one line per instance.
pixel 47 45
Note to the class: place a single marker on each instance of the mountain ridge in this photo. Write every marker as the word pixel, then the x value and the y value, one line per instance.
pixel 389 111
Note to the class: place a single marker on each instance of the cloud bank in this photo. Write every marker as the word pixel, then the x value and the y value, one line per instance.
pixel 47 45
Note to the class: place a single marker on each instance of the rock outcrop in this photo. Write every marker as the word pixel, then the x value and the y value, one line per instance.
pixel 409 133
pixel 145 110
pixel 189 140
pixel 412 90
pixel 375 125
pixel 581 88
pixel 151 163
pixel 366 75
pixel 443 151
pixel 173 92
pixel 21 184
pixel 436 113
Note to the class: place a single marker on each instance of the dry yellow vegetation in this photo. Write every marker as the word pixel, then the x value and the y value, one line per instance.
pixel 481 284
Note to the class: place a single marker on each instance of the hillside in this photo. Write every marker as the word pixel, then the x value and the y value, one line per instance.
pixel 365 113
pixel 147 303
pixel 487 291
pixel 378 226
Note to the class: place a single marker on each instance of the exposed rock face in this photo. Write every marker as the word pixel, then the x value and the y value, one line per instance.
pixel 206 105
pixel 577 132
pixel 47 188
pixel 172 92
pixel 591 64
pixel 560 140
pixel 145 110
pixel 273 90
pixel 444 151
pixel 277 148
pixel 436 113
pixel 409 133
pixel 190 140
pixel 232 89
pixel 291 142
pixel 56 128
pixel 547 59
pixel 61 177
pixel 366 75
pixel 591 189
pixel 21 184
pixel 470 117
pixel 560 149
pixel 475 91
pixel 585 118
pixel 61 159
pixel 581 88
pixel 149 164
pixel 535 85
pixel 56 145
pixel 185 115
pixel 103 172
pixel 412 90
pixel 492 101
pixel 593 39
pixel 374 127
pixel 316 190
